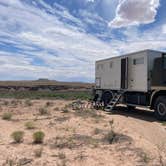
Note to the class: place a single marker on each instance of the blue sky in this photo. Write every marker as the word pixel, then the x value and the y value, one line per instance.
pixel 62 39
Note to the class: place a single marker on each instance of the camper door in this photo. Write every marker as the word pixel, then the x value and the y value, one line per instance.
pixel 124 73
pixel 138 73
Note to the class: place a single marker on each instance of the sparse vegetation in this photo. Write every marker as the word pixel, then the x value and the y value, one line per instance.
pixel 7 116
pixel 30 125
pixel 30 94
pixel 17 136
pixel 61 142
pixel 56 108
pixel 14 103
pixel 74 141
pixel 73 137
pixel 81 156
pixel 48 104
pixel 43 111
pixel 97 131
pixel 38 137
pixel 6 103
pixel 111 135
pixel 65 110
pixel 88 113
pixel 28 103
pixel 145 158
pixel 61 155
pixel 38 152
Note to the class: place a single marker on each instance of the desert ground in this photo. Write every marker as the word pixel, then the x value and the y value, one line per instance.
pixel 77 136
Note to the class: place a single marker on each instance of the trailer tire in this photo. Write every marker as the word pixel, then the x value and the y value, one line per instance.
pixel 160 108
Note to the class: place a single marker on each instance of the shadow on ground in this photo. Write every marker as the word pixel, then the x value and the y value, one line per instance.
pixel 137 113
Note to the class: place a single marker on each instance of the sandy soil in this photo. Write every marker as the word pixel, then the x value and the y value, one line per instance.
pixel 78 138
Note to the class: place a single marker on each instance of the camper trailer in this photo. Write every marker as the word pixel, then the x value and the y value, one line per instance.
pixel 136 79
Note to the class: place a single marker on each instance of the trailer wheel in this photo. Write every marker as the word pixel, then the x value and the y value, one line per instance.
pixel 160 108
pixel 106 97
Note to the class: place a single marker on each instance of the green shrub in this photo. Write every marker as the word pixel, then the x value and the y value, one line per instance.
pixel 30 125
pixel 43 111
pixel 38 137
pixel 17 136
pixel 7 116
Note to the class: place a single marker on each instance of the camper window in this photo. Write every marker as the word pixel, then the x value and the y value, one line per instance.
pixel 138 61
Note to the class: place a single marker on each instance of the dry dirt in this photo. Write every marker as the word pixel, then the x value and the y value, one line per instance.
pixel 79 138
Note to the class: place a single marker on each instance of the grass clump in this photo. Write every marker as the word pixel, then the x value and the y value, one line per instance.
pixel 38 137
pixel 65 110
pixel 17 136
pixel 48 104
pixel 6 103
pixel 56 109
pixel 88 114
pixel 43 111
pixel 28 103
pixel 38 152
pixel 61 155
pixel 111 135
pixel 97 131
pixel 7 116
pixel 145 157
pixel 30 125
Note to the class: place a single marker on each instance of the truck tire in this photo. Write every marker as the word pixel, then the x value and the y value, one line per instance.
pixel 160 108
pixel 106 97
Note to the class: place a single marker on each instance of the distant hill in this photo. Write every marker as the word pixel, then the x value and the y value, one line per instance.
pixel 44 84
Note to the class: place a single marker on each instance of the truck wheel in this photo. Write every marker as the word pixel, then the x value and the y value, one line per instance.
pixel 160 108
pixel 106 98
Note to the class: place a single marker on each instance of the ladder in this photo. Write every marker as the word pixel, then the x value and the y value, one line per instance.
pixel 114 101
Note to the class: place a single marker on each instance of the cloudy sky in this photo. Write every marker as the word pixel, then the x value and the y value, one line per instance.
pixel 62 39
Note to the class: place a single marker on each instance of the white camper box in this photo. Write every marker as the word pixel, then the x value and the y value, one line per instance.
pixel 136 79
pixel 130 72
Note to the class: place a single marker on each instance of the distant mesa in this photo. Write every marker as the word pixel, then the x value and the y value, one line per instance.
pixel 45 79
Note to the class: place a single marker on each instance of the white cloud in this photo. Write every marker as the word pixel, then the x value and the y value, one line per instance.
pixel 51 48
pixel 164 28
pixel 72 50
pixel 90 0
pixel 134 12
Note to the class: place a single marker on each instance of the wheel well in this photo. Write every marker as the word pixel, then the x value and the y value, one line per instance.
pixel 155 95
pixel 108 91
